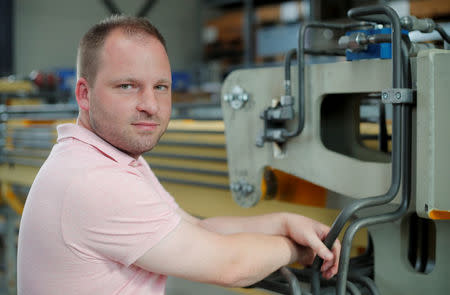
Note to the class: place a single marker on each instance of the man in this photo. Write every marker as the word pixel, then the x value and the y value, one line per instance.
pixel 97 221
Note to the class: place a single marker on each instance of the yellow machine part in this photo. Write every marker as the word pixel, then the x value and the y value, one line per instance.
pixel 7 85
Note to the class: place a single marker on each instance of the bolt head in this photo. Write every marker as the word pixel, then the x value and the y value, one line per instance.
pixel 235 187
pixel 398 95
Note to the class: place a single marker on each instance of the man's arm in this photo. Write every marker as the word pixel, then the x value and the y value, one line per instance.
pixel 304 231
pixel 234 260
pixel 238 251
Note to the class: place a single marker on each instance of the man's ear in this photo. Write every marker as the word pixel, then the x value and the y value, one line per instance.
pixel 82 93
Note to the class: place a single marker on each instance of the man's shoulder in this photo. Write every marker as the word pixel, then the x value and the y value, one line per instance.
pixel 72 154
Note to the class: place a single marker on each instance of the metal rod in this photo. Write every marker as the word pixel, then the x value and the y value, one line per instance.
pixel 185 157
pixel 406 184
pixel 192 182
pixel 248 32
pixel 191 144
pixel 382 218
pixel 287 71
pixel 301 51
pixel 348 211
pixel 367 282
pixel 294 285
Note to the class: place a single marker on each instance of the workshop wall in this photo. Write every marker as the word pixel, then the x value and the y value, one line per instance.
pixel 47 32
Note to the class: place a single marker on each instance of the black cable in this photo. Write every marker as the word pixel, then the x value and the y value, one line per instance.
pixel 442 32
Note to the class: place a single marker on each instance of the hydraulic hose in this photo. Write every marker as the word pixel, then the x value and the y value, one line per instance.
pixel 288 59
pixel 301 68
pixel 382 218
pixel 406 185
pixel 380 18
pixel 287 71
pixel 442 32
pixel 294 285
pixel 350 210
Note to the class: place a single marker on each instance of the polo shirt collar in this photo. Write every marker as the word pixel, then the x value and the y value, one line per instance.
pixel 80 133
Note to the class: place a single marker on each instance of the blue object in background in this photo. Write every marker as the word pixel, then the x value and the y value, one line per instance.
pixel 381 50
pixel 181 81
pixel 67 79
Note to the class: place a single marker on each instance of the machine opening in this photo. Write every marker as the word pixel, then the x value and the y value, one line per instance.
pixel 421 244
pixel 351 124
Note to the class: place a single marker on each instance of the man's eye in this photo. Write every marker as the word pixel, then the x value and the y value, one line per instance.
pixel 162 87
pixel 126 86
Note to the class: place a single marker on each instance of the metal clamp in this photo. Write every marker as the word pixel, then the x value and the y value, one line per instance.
pixel 237 98
pixel 397 95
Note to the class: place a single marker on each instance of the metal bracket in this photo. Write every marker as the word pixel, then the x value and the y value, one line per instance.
pixel 397 95
pixel 237 98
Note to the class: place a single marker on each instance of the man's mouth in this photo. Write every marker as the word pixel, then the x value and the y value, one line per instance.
pixel 145 125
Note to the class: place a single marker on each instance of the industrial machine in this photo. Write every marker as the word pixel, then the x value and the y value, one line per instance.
pixel 310 127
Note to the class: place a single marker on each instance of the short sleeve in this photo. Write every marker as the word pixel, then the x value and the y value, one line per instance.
pixel 116 216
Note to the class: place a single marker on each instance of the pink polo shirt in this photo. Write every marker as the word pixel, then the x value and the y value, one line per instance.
pixel 92 211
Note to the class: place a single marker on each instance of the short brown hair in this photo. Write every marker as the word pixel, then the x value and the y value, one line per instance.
pixel 92 42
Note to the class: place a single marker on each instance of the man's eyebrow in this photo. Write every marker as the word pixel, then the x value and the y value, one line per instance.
pixel 164 81
pixel 134 80
pixel 124 79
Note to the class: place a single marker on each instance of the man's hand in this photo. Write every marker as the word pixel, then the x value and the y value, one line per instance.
pixel 309 234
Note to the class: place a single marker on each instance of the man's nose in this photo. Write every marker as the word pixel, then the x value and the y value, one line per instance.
pixel 148 102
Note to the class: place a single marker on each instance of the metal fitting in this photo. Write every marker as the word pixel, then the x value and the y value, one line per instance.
pixel 397 95
pixel 355 42
pixel 237 98
pixel 412 23
pixel 286 100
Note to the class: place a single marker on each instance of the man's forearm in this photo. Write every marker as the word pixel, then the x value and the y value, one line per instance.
pixel 272 224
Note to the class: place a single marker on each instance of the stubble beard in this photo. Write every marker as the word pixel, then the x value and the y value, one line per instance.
pixel 124 139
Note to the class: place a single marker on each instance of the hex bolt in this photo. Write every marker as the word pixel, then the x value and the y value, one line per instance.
pixel 235 187
pixel 247 189
pixel 385 95
pixel 398 95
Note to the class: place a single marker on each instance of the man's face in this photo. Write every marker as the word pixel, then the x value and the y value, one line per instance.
pixel 130 101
